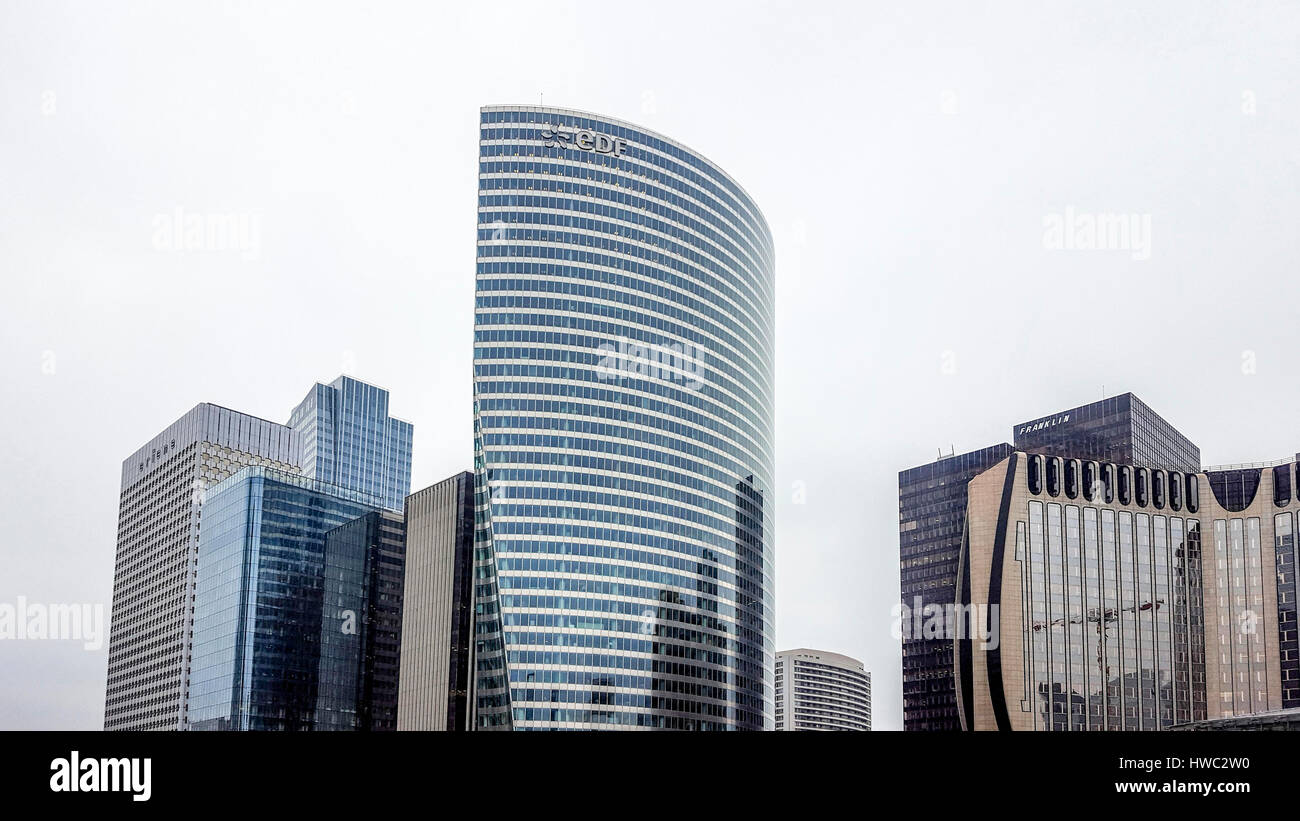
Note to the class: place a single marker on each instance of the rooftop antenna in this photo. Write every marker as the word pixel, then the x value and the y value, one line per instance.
pixel 540 95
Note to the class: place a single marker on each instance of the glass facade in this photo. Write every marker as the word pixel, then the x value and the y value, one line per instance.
pixel 297 610
pixel 348 439
pixel 1113 631
pixel 361 624
pixel 623 430
pixel 931 515
pixel 1120 429
pixel 1284 535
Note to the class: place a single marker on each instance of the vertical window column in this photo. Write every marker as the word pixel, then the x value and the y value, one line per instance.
pixel 1196 618
pixel 1040 649
pixel 1289 641
pixel 1076 625
pixel 1257 637
pixel 1058 620
pixel 1111 636
pixel 1238 617
pixel 1163 612
pixel 1182 671
pixel 1146 604
pixel 1094 658
pixel 1130 671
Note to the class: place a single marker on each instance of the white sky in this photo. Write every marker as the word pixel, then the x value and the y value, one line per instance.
pixel 905 154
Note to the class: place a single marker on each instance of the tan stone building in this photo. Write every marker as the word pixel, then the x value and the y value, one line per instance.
pixel 1124 598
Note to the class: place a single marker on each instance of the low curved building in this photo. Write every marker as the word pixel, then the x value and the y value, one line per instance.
pixel 817 690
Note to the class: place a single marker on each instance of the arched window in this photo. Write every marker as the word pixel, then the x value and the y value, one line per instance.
pixel 1282 485
pixel 1091 484
pixel 1036 474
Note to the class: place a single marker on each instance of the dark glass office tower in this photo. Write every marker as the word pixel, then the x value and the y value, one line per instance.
pixel 383 661
pixel 361 624
pixel 931 514
pixel 1121 429
pixel 295 618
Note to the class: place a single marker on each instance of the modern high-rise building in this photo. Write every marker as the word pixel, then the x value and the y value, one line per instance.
pixel 365 564
pixel 817 690
pixel 1120 429
pixel 348 439
pixel 297 611
pixel 623 424
pixel 1124 597
pixel 932 511
pixel 438 607
pixel 157 552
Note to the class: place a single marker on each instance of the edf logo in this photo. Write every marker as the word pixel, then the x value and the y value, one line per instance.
pixel 555 137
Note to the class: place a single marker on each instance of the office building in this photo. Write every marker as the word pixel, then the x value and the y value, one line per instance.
pixel 817 690
pixel 157 552
pixel 932 510
pixel 349 440
pixel 1121 429
pixel 1252 653
pixel 623 424
pixel 296 618
pixel 438 607
pixel 365 563
pixel 1128 598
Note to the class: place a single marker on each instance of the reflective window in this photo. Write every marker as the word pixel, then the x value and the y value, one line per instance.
pixel 1035 474
pixel 1282 485
pixel 1284 551
pixel 1091 482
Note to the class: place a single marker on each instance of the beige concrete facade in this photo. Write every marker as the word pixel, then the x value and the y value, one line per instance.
pixel 1222 627
pixel 1241 653
pixel 433 686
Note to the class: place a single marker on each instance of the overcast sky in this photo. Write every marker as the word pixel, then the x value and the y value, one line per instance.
pixel 909 157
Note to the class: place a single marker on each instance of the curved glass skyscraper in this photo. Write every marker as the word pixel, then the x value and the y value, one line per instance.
pixel 623 422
